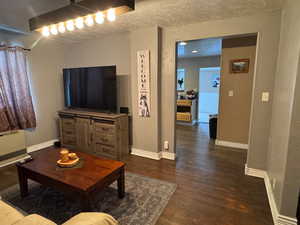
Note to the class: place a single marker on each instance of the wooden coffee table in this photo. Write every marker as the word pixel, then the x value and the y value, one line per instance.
pixel 96 174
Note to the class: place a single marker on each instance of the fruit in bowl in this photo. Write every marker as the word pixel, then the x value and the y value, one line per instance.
pixel 73 156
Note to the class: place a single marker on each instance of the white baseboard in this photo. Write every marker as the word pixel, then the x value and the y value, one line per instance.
pixel 153 155
pixel 13 161
pixel 40 146
pixel 254 172
pixel 168 155
pixel 145 154
pixel 277 218
pixel 231 144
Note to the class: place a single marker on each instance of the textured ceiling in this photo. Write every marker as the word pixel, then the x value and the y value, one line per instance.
pixel 204 47
pixel 148 13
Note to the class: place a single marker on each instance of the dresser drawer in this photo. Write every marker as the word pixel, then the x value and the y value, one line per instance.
pixel 67 132
pixel 105 151
pixel 69 140
pixel 104 128
pixel 68 124
pixel 106 139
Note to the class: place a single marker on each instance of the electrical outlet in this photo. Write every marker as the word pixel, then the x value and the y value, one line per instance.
pixel 166 145
pixel 230 93
pixel 265 97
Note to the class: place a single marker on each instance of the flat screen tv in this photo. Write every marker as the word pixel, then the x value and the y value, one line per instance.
pixel 91 88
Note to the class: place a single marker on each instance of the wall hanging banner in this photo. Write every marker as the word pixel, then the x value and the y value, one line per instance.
pixel 143 72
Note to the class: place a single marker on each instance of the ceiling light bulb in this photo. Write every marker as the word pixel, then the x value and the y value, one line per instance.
pixel 53 30
pixel 194 51
pixel 111 15
pixel 45 31
pixel 61 27
pixel 79 23
pixel 70 25
pixel 182 43
pixel 89 20
pixel 99 17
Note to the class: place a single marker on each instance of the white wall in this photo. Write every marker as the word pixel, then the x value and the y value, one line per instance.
pixel 268 26
pixel 208 95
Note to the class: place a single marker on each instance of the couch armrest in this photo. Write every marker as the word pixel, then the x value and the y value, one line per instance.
pixel 34 219
pixel 92 218
pixel 8 214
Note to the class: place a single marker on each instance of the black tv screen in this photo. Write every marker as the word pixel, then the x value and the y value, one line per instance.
pixel 93 88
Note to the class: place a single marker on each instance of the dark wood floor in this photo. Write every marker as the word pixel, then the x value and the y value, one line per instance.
pixel 212 188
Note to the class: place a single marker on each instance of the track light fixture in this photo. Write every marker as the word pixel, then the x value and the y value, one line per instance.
pixel 78 15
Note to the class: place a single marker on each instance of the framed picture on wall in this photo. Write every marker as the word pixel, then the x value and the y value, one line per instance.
pixel 239 66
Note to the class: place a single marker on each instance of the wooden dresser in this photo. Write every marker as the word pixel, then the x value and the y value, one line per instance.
pixel 100 134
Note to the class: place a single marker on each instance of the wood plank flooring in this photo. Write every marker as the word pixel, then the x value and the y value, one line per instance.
pixel 212 188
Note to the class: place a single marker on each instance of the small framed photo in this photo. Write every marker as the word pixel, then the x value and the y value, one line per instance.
pixel 239 66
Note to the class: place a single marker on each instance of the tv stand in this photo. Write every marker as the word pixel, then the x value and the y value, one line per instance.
pixel 100 134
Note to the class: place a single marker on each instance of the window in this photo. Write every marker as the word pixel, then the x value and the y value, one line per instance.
pixel 16 108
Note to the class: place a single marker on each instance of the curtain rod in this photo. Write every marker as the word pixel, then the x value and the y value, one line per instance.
pixel 5 46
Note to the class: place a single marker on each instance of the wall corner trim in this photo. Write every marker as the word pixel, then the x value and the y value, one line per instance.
pixel 277 218
pixel 40 146
pixel 153 155
pixel 255 172
pixel 231 144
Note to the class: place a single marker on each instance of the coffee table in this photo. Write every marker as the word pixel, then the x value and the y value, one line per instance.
pixel 95 174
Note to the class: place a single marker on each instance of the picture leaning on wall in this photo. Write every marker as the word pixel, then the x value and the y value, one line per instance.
pixel 143 72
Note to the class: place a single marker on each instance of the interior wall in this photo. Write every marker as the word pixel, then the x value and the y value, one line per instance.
pixel 105 51
pixel 46 63
pixel 146 130
pixel 268 26
pixel 283 154
pixel 192 65
pixel 234 111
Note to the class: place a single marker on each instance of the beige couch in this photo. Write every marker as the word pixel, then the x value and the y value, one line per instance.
pixel 10 216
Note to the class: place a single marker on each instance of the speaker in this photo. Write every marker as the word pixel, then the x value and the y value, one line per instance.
pixel 124 110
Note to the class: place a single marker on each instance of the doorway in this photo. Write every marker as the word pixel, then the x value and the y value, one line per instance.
pixel 198 82
pixel 208 97
pixel 214 92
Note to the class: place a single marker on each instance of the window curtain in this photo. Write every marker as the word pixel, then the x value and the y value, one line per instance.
pixel 16 107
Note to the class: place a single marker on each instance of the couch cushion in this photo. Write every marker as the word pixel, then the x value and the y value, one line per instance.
pixel 34 219
pixel 8 214
pixel 92 218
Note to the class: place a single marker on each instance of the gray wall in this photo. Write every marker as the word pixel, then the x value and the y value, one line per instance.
pixel 284 155
pixel 268 26
pixel 46 63
pixel 146 130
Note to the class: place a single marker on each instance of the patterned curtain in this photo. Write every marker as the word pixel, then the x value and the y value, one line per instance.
pixel 16 108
